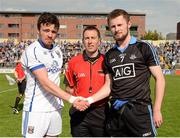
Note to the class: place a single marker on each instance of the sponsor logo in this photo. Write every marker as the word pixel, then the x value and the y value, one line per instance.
pixel 80 75
pixel 30 129
pixel 124 71
pixel 146 134
pixel 54 67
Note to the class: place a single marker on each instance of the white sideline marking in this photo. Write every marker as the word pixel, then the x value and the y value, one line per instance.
pixel 8 90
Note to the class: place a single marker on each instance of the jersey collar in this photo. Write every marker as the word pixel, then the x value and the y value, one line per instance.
pixel 133 40
pixel 86 58
pixel 43 45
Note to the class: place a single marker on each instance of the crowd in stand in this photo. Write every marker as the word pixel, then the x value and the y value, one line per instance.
pixel 169 54
pixel 10 52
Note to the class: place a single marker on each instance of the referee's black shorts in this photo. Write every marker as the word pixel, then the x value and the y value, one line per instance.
pixel 88 123
pixel 22 87
pixel 133 120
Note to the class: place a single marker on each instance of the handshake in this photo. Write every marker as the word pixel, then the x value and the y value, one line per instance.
pixel 81 103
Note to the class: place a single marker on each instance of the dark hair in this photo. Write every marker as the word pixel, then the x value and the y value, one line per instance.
pixel 91 27
pixel 48 18
pixel 118 12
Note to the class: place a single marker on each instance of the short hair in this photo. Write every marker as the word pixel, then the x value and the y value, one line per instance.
pixel 48 18
pixel 118 12
pixel 91 27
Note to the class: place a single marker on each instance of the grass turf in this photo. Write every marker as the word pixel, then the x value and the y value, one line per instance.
pixel 10 124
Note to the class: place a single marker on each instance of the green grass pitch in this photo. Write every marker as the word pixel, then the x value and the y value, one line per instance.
pixel 10 124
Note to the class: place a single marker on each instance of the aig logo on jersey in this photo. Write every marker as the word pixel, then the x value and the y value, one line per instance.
pixel 124 71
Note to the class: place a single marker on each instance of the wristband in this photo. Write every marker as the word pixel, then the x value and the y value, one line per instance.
pixel 90 100
pixel 72 99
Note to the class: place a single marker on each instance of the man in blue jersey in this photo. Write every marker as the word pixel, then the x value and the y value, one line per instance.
pixel 42 62
pixel 129 66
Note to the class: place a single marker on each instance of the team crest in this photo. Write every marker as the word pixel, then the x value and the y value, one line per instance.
pixel 30 129
pixel 133 56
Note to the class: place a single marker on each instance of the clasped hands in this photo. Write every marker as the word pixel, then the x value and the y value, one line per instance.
pixel 81 103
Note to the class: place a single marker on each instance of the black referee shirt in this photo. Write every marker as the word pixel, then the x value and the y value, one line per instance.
pixel 129 69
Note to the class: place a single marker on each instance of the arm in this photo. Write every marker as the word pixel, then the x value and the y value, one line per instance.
pixel 42 76
pixel 103 92
pixel 159 94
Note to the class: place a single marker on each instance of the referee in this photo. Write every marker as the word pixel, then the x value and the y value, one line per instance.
pixel 84 77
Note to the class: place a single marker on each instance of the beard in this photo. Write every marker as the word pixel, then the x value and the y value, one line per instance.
pixel 120 38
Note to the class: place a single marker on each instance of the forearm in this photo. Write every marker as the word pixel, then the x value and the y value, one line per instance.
pixel 103 92
pixel 160 87
pixel 42 77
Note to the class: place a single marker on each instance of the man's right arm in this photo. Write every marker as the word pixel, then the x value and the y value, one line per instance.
pixel 42 76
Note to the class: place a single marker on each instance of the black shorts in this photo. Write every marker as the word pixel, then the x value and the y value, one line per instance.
pixel 133 120
pixel 89 123
pixel 22 87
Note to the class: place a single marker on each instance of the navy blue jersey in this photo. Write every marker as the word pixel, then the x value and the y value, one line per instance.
pixel 129 68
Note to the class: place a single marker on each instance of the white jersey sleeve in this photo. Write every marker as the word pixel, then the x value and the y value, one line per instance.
pixel 29 59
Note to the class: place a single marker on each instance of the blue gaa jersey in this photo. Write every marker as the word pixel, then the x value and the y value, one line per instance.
pixel 129 68
pixel 33 58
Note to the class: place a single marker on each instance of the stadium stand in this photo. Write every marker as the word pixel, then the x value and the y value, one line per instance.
pixel 169 52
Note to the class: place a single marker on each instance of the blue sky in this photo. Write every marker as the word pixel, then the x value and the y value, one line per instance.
pixel 162 15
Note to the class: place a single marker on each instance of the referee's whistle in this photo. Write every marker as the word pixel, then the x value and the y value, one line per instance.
pixel 90 89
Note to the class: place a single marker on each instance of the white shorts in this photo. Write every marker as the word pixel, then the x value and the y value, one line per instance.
pixel 40 124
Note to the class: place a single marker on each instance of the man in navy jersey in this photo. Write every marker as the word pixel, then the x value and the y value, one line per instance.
pixel 129 66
